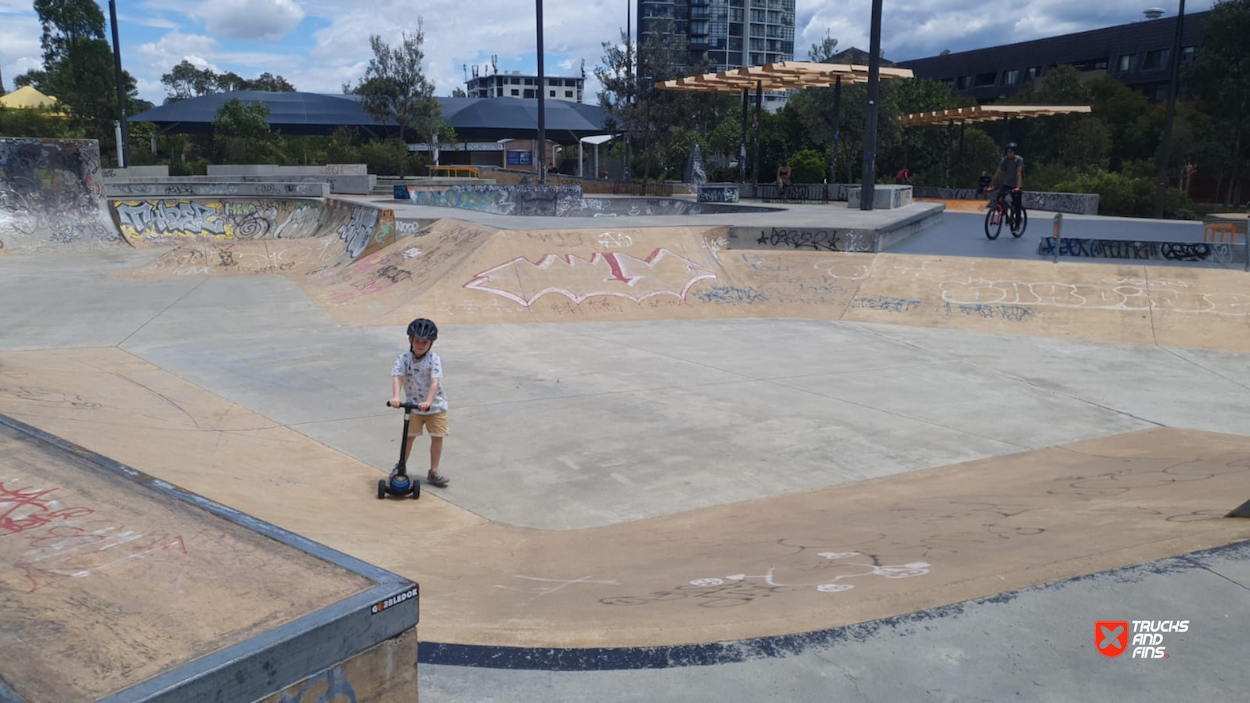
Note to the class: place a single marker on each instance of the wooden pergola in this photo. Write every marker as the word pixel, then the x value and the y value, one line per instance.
pixel 779 76
pixel 963 116
pixel 987 113
pixel 782 75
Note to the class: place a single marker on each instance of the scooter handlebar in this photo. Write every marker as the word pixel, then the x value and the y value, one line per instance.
pixel 406 406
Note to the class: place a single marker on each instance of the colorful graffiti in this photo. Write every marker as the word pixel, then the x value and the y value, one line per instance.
pixel 52 195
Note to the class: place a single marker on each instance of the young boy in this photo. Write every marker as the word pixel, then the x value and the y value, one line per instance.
pixel 420 372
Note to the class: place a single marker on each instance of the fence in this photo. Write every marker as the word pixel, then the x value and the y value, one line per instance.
pixel 794 193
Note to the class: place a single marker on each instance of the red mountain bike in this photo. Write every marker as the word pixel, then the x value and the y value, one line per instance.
pixel 1000 211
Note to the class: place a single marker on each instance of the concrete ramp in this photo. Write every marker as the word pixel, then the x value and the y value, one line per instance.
pixel 248 237
pixel 52 196
pixel 459 272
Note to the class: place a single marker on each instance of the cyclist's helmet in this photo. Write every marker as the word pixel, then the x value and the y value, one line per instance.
pixel 422 328
pixel 1011 146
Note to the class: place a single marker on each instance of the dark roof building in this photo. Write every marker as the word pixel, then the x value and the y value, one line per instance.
pixel 1136 54
pixel 474 119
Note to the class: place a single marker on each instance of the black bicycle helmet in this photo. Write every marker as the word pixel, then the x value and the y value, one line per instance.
pixel 422 328
pixel 1011 146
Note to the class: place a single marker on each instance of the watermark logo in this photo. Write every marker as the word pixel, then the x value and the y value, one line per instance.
pixel 1143 637
pixel 1111 637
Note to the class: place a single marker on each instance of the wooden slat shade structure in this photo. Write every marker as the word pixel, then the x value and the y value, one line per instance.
pixel 987 113
pixel 782 75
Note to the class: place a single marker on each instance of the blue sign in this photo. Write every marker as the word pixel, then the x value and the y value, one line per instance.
pixel 523 158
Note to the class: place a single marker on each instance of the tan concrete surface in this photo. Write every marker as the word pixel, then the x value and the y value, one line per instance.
pixel 104 584
pixel 787 564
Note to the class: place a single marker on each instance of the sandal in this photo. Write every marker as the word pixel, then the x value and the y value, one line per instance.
pixel 436 479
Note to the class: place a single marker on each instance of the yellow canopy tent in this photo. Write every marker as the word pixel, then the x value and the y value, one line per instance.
pixel 27 97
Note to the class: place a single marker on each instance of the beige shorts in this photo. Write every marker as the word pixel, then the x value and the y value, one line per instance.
pixel 436 424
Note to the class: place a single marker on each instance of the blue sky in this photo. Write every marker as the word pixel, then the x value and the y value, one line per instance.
pixel 320 44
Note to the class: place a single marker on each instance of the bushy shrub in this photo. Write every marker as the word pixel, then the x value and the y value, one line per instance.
pixel 1126 196
pixel 808 166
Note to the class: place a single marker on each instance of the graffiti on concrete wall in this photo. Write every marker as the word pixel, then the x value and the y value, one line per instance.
pixel 173 221
pixel 816 239
pixel 1108 294
pixel 1075 203
pixel 615 274
pixel 52 195
pixel 718 194
pixel 357 232
pixel 1125 249
pixel 499 199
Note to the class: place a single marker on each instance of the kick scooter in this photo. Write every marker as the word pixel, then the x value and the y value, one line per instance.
pixel 400 484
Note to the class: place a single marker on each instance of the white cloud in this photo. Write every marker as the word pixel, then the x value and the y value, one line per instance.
pixel 254 20
pixel 19 47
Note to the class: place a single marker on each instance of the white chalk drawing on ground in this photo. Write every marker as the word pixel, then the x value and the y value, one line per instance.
pixel 826 585
pixel 556 584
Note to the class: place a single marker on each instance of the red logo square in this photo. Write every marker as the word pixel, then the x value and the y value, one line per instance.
pixel 1111 637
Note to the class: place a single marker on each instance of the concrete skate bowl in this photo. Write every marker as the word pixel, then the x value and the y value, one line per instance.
pixel 462 272
pixel 557 201
pixel 52 196
pixel 252 236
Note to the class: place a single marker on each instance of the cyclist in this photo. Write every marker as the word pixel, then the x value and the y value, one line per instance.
pixel 1011 171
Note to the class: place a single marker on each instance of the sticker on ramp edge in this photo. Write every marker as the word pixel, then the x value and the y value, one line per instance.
pixel 394 600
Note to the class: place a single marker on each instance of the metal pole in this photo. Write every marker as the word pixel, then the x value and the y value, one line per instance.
pixel 123 148
pixel 870 132
pixel 629 82
pixel 742 151
pixel 542 102
pixel 960 162
pixel 1165 149
pixel 759 103
pixel 837 112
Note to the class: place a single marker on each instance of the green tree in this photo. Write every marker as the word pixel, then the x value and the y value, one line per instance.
pixel 78 68
pixel 823 51
pixel 649 115
pixel 1219 79
pixel 458 93
pixel 186 80
pixel 395 88
pixel 241 133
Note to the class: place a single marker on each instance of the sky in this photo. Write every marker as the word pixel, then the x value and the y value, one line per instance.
pixel 318 45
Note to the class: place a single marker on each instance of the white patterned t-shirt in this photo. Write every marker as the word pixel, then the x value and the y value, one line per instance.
pixel 417 377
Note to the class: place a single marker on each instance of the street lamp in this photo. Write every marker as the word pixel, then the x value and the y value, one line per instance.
pixel 542 102
pixel 123 146
pixel 867 189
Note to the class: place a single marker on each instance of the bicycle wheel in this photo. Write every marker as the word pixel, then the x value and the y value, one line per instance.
pixel 1017 229
pixel 993 222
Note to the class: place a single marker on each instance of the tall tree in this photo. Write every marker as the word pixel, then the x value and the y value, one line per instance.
pixel 1219 78
pixel 394 87
pixel 186 80
pixel 241 133
pixel 78 67
pixel 823 52
pixel 647 114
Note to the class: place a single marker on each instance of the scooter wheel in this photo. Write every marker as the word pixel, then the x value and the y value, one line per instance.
pixel 381 489
pixel 416 490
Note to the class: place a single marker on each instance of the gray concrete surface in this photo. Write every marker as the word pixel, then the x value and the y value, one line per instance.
pixel 615 422
pixel 1031 645
pixel 835 214
pixel 963 234
pixel 570 425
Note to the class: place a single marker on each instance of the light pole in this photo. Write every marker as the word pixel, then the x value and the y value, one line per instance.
pixel 542 102
pixel 124 147
pixel 1165 149
pixel 867 189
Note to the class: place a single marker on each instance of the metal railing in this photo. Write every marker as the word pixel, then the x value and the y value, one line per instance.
pixel 794 193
